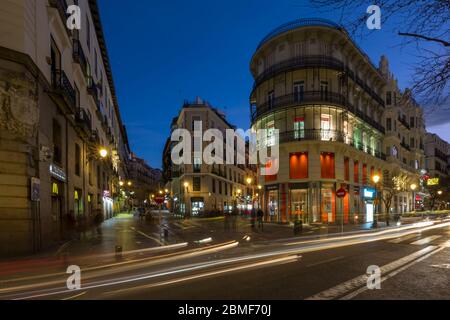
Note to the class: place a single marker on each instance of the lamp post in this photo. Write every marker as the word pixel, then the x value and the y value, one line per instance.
pixel 413 189
pixel 186 190
pixel 249 183
pixel 376 179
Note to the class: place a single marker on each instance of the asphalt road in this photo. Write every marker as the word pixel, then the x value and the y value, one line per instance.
pixel 414 264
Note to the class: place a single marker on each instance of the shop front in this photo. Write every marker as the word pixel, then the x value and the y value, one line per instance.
pixel 272 203
pixel 298 207
pixel 197 205
pixel 369 196
pixel 328 203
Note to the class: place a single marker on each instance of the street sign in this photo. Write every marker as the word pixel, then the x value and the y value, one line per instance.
pixel 159 200
pixel 341 193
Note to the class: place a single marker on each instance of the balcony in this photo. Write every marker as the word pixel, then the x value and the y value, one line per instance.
pixel 79 56
pixel 311 97
pixel 313 61
pixel 404 123
pixel 92 90
pixel 404 145
pixel 84 121
pixel 63 91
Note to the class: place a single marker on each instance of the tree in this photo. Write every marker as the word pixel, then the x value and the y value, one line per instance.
pixel 438 193
pixel 422 25
pixel 398 184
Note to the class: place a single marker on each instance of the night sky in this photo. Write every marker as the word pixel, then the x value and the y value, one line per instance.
pixel 163 52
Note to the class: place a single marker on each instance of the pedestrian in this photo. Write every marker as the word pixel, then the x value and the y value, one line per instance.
pixel 98 220
pixel 260 219
pixel 253 217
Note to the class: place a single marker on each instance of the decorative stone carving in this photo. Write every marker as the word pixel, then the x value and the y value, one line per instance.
pixel 19 110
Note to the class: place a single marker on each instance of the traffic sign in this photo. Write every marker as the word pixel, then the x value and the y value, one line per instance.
pixel 159 200
pixel 341 193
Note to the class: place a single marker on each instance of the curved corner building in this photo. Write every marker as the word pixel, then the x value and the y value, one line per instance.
pixel 315 85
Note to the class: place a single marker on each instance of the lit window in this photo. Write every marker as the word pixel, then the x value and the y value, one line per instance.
pixel 299 128
pixel 325 125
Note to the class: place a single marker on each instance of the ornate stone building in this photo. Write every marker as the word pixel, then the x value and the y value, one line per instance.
pixel 330 105
pixel 58 110
pixel 199 188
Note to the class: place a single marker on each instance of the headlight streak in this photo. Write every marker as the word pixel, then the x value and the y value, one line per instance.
pixel 126 265
pixel 135 278
pixel 310 246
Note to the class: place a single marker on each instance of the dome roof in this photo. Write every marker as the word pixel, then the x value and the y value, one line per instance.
pixel 298 24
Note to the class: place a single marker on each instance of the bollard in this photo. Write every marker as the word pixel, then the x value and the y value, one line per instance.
pixel 118 252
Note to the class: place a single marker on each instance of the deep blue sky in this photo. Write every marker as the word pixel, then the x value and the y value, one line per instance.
pixel 163 52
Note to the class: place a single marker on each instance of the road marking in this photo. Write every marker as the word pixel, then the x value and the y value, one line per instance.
pixel 441 266
pixel 425 240
pixel 147 236
pixel 324 261
pixel 360 282
pixel 75 296
pixel 392 274
pixel 401 239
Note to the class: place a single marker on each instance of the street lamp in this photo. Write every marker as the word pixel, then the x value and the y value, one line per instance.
pixel 121 183
pixel 103 153
pixel 166 190
pixel 249 180
pixel 440 192
pixel 376 178
pixel 129 183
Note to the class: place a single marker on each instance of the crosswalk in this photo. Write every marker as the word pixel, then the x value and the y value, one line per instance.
pixel 415 241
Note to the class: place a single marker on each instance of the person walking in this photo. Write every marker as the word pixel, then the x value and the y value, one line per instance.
pixel 98 220
pixel 260 219
pixel 253 217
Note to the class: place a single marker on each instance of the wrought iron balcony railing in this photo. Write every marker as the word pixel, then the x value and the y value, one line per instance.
pixel 79 56
pixel 311 97
pixel 62 86
pixel 84 121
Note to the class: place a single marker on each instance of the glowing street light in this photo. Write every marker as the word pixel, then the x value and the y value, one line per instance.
pixel 376 178
pixel 121 183
pixel 249 180
pixel 440 192
pixel 166 190
pixel 259 187
pixel 103 153
pixel 413 186
pixel 129 183
pixel 186 184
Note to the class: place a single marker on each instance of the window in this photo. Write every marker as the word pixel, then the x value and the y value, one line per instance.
pixel 196 184
pixel 270 139
pixel 346 169
pixel 412 122
pixel 197 164
pixel 394 151
pixel 299 90
pixel 298 168
pixel 57 148
pixel 389 124
pixel 388 98
pixel 412 143
pixel 325 125
pixel 77 160
pixel 299 127
pixel 327 165
pixel 220 187
pixel 356 171
pixel 213 185
pixel 364 174
pixel 324 90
